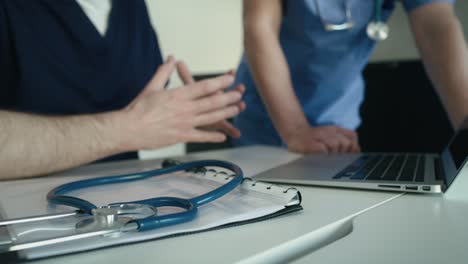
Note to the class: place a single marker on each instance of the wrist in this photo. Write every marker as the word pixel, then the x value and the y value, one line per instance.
pixel 292 132
pixel 115 125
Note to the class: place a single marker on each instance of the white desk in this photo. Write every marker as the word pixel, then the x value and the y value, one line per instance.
pixel 410 229
pixel 321 207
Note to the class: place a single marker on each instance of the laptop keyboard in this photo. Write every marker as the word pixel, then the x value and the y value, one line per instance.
pixel 387 167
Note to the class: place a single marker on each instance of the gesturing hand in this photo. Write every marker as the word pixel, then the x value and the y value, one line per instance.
pixel 159 117
pixel 222 125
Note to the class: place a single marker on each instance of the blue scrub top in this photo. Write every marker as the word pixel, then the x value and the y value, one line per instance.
pixel 326 67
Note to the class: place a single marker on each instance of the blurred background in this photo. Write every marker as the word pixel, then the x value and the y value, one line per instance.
pixel 401 112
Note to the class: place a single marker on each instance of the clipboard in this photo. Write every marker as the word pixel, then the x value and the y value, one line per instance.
pixel 251 202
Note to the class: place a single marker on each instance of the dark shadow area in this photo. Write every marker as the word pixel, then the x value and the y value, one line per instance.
pixel 401 111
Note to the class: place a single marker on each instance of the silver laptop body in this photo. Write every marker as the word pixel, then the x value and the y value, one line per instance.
pixel 410 172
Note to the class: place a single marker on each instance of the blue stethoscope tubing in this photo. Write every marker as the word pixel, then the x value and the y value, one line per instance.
pixel 57 195
pixel 378 11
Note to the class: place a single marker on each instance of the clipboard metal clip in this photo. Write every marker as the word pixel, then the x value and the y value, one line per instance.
pixel 104 221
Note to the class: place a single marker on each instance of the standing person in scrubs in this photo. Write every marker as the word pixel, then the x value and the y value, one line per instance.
pixel 84 80
pixel 304 83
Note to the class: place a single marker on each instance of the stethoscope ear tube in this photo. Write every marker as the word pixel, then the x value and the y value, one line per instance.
pixel 223 189
pixel 156 221
pixel 82 205
pixel 56 196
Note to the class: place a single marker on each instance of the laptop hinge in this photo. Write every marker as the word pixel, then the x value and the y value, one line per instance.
pixel 439 172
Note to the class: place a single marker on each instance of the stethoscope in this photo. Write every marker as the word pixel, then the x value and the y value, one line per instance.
pixel 118 217
pixel 377 29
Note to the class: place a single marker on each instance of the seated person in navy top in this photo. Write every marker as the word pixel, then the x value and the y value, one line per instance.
pixel 78 84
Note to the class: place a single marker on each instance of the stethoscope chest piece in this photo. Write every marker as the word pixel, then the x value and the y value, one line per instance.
pixel 114 216
pixel 377 30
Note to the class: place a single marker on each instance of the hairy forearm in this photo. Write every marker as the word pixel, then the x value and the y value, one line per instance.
pixel 33 145
pixel 445 56
pixel 273 80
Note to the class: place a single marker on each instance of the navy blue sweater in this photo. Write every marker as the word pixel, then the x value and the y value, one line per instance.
pixel 54 61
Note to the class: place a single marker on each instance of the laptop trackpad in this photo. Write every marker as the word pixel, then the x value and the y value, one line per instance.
pixel 312 167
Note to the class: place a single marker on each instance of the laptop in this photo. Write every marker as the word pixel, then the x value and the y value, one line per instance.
pixel 410 172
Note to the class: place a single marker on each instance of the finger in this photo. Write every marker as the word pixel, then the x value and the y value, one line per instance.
pixel 354 140
pixel 225 127
pixel 339 140
pixel 317 147
pixel 232 72
pixel 197 135
pixel 348 133
pixel 208 86
pixel 345 144
pixel 240 88
pixel 216 101
pixel 313 147
pixel 356 148
pixel 327 136
pixel 215 116
pixel 331 142
pixel 158 81
pixel 162 75
pixel 184 73
pixel 241 105
pixel 229 129
pixel 322 148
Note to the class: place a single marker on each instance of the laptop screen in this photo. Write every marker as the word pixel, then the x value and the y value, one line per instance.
pixel 458 152
pixel 459 147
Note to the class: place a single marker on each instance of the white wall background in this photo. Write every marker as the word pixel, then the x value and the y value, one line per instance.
pixel 207 34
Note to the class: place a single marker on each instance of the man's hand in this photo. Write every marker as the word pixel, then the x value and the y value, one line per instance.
pixel 222 125
pixel 159 117
pixel 154 119
pixel 324 139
